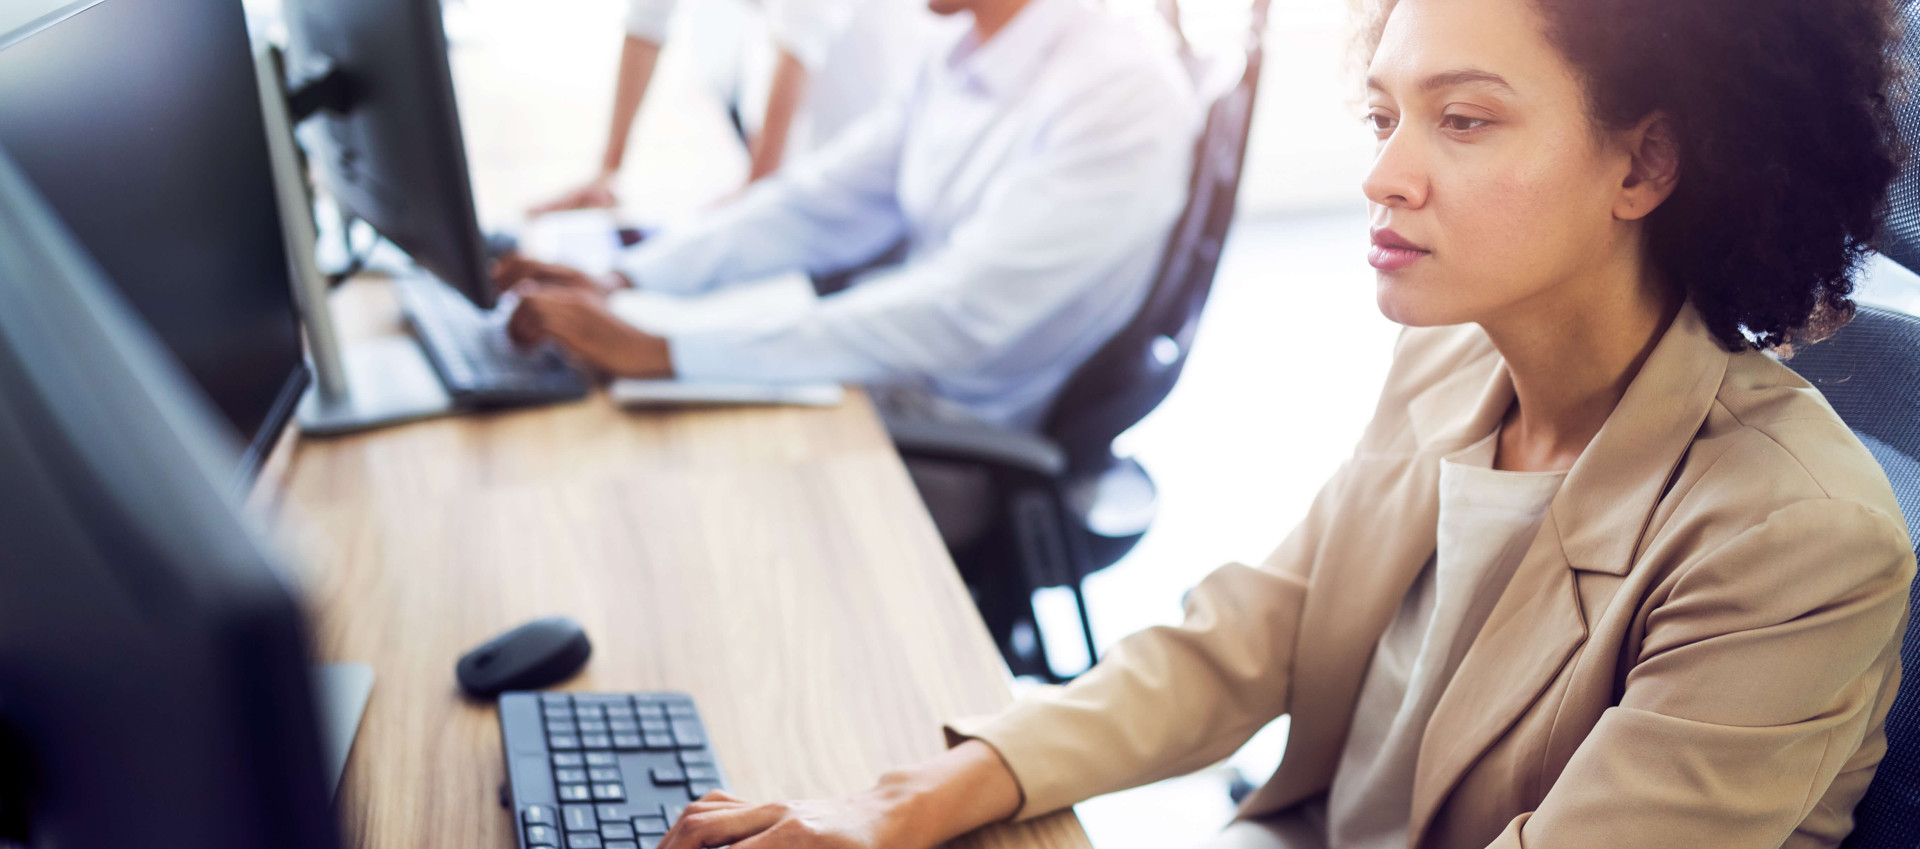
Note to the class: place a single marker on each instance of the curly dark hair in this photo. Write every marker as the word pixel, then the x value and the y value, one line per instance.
pixel 1783 110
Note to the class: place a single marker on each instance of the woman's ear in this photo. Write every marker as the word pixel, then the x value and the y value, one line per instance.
pixel 1653 149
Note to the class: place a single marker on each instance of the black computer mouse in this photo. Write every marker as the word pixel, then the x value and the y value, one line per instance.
pixel 538 654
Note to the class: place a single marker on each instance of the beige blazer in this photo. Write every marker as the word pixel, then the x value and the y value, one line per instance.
pixel 1698 650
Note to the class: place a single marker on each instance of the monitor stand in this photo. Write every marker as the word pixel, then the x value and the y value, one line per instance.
pixel 342 691
pixel 388 382
pixel 359 386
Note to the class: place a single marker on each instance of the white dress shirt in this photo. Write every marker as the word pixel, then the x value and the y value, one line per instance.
pixel 854 51
pixel 1488 519
pixel 1034 178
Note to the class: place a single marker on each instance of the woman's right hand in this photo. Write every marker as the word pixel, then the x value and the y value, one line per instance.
pixel 596 193
pixel 917 808
pixel 720 819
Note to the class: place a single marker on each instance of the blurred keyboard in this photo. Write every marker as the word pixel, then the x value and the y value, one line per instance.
pixel 469 348
pixel 603 770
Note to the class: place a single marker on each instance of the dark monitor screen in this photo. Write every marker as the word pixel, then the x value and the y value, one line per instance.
pixel 393 154
pixel 154 676
pixel 140 122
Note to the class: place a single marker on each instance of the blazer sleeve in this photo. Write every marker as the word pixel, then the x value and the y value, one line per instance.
pixel 1168 700
pixel 1759 676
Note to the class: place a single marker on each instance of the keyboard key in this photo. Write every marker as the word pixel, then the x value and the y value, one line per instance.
pixel 650 843
pixel 616 830
pixel 614 813
pixel 702 772
pixel 673 811
pixel 681 710
pixel 593 726
pixel 579 817
pixel 537 815
pixel 576 793
pixel 686 733
pixel 574 759
pixel 596 741
pixel 555 698
pixel 558 714
pixel 697 789
pixel 623 726
pixel 584 840
pixel 650 825
pixel 654 710
pixel 610 792
pixel 628 742
pixel 659 741
pixel 542 835
pixel 563 741
pixel 651 725
pixel 690 757
pixel 570 776
pixel 669 775
pixel 599 775
pixel 601 759
pixel 622 844
pixel 556 727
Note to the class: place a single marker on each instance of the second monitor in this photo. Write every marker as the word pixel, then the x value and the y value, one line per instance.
pixel 374 76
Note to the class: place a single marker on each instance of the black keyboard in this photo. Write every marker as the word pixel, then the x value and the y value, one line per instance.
pixel 470 350
pixel 603 770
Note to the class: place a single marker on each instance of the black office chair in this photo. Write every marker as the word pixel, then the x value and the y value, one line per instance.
pixel 1068 506
pixel 1870 373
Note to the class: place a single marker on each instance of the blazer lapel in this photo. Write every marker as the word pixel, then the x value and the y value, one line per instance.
pixel 1594 524
pixel 1363 583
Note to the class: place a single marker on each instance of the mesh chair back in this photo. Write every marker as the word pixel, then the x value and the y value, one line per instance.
pixel 1870 373
pixel 1135 370
pixel 1900 229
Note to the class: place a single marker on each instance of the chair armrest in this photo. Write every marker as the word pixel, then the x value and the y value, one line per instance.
pixel 977 443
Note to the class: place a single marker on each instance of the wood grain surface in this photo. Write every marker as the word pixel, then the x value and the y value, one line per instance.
pixel 775 563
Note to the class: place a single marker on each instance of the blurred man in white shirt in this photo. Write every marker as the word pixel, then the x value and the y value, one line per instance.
pixel 1033 168
pixel 831 61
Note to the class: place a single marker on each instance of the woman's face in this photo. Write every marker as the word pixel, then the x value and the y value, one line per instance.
pixel 1491 192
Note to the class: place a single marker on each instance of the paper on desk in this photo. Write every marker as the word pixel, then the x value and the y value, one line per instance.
pixel 587 239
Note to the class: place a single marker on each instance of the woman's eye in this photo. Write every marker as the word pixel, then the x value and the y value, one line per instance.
pixel 1462 123
pixel 1380 123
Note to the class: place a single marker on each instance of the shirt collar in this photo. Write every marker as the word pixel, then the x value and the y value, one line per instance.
pixel 1014 54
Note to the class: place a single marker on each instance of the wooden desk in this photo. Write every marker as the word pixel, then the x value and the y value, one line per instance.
pixel 774 563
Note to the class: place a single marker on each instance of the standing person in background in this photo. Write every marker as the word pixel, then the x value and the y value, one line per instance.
pixel 832 60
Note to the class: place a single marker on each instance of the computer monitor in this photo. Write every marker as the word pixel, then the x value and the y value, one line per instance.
pixel 140 122
pixel 154 681
pixel 389 147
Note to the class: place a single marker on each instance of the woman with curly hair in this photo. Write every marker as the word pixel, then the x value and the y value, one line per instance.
pixel 1601 572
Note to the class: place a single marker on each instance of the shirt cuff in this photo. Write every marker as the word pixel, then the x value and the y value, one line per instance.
pixel 647 19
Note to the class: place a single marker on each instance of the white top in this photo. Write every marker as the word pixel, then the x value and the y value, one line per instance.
pixel 1035 179
pixel 855 53
pixel 1488 519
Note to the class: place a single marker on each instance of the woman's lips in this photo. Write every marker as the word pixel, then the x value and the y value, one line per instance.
pixel 1391 252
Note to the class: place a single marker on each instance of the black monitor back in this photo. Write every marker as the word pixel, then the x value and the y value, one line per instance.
pixel 153 674
pixel 140 122
pixel 390 145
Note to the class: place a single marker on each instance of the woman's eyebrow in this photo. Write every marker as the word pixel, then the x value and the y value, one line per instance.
pixel 1449 79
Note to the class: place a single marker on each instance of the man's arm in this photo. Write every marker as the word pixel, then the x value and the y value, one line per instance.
pixel 639 54
pixel 1022 277
pixel 789 86
pixel 832 209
